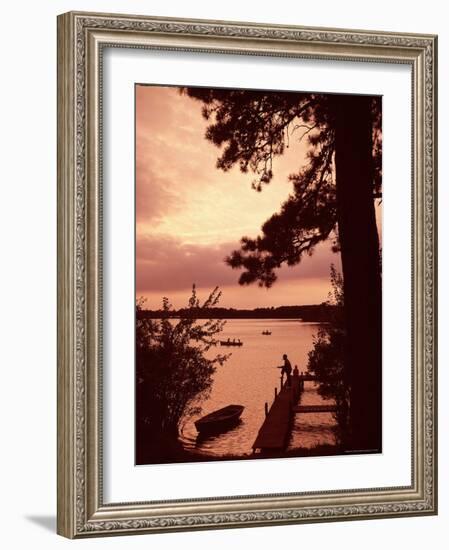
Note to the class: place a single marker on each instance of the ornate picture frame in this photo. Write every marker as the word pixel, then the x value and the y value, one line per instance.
pixel 82 40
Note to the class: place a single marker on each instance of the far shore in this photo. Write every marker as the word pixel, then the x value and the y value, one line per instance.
pixel 321 313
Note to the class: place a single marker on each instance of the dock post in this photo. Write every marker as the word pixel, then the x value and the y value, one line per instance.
pixel 266 408
pixel 275 392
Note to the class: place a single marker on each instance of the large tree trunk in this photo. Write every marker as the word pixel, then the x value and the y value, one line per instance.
pixel 359 244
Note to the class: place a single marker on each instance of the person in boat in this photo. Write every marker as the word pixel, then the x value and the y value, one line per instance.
pixel 286 369
pixel 229 340
pixel 296 371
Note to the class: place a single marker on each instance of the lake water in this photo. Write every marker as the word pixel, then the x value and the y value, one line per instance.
pixel 249 377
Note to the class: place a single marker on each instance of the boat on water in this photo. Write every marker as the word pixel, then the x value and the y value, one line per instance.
pixel 231 343
pixel 219 420
pixel 266 332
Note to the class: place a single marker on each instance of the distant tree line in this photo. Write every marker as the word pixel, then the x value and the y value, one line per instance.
pixel 321 313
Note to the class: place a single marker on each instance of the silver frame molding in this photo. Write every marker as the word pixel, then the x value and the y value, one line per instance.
pixel 81 39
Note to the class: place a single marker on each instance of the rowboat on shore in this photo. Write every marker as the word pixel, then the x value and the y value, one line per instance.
pixel 219 420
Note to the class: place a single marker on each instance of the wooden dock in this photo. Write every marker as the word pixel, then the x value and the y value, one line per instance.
pixel 275 431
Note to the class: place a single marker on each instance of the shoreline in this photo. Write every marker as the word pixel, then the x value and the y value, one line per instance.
pixel 179 454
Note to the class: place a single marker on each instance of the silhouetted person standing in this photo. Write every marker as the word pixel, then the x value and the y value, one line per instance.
pixel 286 369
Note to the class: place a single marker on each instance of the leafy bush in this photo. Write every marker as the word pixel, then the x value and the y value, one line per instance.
pixel 173 372
pixel 326 359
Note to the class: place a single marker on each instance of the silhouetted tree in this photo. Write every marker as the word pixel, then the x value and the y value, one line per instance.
pixel 333 198
pixel 173 373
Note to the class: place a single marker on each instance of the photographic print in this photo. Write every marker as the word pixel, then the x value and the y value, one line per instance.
pixel 258 274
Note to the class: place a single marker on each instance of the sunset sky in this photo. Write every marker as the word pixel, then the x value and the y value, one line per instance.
pixel 190 215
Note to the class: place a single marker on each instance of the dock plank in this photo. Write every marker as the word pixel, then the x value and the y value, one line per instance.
pixel 308 377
